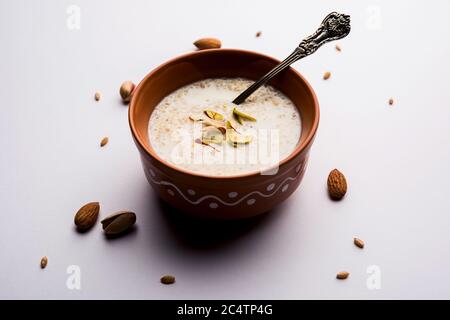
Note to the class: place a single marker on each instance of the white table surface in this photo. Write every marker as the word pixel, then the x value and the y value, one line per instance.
pixel 396 158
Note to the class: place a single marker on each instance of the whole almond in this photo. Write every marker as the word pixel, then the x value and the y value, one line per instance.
pixel 118 222
pixel 97 96
pixel 167 279
pixel 326 75
pixel 207 43
pixel 126 90
pixel 337 184
pixel 44 262
pixel 87 215
pixel 342 275
pixel 338 48
pixel 391 101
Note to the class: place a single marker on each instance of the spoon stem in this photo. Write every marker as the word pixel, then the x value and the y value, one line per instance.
pixel 269 75
pixel 335 26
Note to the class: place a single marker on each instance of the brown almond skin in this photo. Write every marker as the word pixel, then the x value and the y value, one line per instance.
pixel 87 215
pixel 118 222
pixel 342 275
pixel 167 279
pixel 44 262
pixel 104 142
pixel 326 75
pixel 358 242
pixel 337 184
pixel 207 43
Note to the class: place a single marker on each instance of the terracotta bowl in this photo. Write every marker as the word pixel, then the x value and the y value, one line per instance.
pixel 232 197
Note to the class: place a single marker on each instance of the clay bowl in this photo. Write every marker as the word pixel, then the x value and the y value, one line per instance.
pixel 232 197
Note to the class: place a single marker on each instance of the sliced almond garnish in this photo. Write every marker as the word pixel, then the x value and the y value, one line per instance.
pixel 221 125
pixel 195 118
pixel 212 134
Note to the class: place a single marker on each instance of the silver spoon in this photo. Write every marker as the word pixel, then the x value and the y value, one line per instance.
pixel 335 26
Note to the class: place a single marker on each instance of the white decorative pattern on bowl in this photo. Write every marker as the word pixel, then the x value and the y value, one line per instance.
pixel 232 195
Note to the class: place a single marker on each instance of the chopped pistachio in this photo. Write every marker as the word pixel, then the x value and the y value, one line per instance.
pixel 221 125
pixel 238 118
pixel 213 115
pixel 229 125
pixel 243 115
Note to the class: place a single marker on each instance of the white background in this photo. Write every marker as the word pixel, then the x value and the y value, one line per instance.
pixel 396 158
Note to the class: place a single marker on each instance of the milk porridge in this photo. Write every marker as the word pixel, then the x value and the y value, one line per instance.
pixel 198 129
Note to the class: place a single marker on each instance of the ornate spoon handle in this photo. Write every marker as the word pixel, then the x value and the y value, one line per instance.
pixel 335 26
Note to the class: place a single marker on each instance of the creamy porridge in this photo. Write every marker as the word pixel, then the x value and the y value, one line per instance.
pixel 197 128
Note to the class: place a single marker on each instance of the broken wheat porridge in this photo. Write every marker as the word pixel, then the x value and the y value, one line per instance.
pixel 197 128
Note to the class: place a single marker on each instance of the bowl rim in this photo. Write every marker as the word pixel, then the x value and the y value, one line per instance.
pixel 152 153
